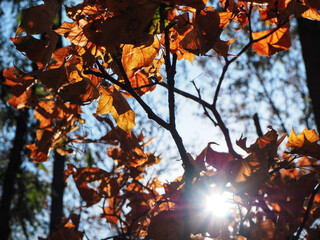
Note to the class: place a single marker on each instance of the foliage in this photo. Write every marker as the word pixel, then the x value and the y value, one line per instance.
pixel 117 51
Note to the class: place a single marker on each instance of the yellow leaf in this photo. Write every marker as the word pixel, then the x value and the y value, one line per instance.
pixel 135 58
pixel 105 101
pixel 112 101
pixel 304 143
pixel 297 141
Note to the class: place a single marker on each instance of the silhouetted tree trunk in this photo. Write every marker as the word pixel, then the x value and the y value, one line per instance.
pixel 58 184
pixel 57 191
pixel 309 33
pixel 15 160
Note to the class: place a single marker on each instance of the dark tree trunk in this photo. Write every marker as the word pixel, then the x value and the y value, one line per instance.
pixel 309 33
pixel 57 186
pixel 15 160
pixel 57 191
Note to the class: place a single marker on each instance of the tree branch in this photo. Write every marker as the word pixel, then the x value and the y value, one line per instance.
pixel 307 213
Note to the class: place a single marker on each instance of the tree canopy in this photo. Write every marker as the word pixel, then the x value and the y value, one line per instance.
pixel 121 51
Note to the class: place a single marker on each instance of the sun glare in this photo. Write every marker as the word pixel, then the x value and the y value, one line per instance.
pixel 219 204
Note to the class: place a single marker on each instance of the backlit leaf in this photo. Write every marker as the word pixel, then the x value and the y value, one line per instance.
pixel 304 143
pixel 112 101
pixel 274 42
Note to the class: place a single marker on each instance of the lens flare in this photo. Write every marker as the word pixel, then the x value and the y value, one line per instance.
pixel 219 204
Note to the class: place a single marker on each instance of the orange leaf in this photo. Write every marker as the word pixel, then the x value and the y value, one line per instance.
pixel 205 33
pixel 276 41
pixel 74 32
pixel 24 100
pixel 305 11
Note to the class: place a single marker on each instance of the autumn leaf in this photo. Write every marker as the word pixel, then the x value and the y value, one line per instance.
pixel 208 25
pixel 105 101
pixel 84 176
pixel 40 151
pixel 272 41
pixel 26 99
pixel 38 19
pixel 39 51
pixel 135 58
pixel 313 3
pixel 74 32
pixel 141 83
pixel 304 143
pixel 54 78
pixel 307 11
pixel 213 158
pixel 79 92
pixel 205 33
pixel 112 101
pixel 198 4
pixel 166 225
pixel 250 173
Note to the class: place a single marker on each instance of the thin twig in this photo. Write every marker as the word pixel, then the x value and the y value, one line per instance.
pixel 307 213
pixel 104 74
pixel 216 114
pixel 206 113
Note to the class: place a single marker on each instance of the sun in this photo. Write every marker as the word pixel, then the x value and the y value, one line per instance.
pixel 218 204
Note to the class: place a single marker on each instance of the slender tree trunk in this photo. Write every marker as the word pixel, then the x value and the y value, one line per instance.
pixel 309 33
pixel 15 160
pixel 57 191
pixel 58 173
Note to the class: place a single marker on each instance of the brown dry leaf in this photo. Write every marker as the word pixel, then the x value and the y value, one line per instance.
pixel 206 30
pixel 222 47
pixel 60 55
pixel 111 215
pixel 197 4
pixel 83 176
pixel 39 51
pixel 40 151
pixel 208 25
pixel 166 225
pixel 251 173
pixel 277 41
pixel 54 78
pixel 213 158
pixel 304 143
pixel 313 3
pixel 80 92
pixel 264 230
pixel 38 19
pixel 112 101
pixel 126 27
